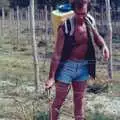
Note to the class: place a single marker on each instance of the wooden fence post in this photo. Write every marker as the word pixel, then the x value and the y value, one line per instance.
pixel 46 29
pixel 109 37
pixel 10 17
pixel 28 17
pixel 3 22
pixel 18 26
pixel 34 45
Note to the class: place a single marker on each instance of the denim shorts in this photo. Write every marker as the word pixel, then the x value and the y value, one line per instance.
pixel 72 70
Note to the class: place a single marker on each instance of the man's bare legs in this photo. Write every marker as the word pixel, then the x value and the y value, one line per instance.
pixel 79 89
pixel 62 90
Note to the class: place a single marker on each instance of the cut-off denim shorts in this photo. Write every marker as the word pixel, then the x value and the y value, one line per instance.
pixel 72 70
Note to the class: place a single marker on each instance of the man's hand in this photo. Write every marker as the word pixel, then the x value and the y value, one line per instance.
pixel 106 53
pixel 49 83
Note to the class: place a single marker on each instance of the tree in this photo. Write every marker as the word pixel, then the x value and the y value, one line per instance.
pixel 20 3
pixel 116 3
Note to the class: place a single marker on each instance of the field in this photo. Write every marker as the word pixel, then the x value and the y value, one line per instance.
pixel 18 100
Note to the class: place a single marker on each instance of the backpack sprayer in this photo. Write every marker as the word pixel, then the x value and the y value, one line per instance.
pixel 62 13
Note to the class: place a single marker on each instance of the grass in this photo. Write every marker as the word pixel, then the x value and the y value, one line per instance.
pixel 98 116
pixel 17 80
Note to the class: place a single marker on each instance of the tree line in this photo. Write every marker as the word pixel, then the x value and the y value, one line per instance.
pixel 40 3
pixel 97 5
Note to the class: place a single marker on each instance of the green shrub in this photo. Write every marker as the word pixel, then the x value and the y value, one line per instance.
pixel 41 116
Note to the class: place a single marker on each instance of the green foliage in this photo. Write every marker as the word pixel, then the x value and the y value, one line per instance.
pixel 41 116
pixel 97 115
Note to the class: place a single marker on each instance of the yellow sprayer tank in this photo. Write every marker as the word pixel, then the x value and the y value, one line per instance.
pixel 58 18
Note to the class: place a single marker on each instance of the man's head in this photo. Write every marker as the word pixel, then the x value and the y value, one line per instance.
pixel 81 8
pixel 80 3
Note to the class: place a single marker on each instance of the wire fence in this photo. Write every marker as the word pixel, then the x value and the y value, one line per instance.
pixel 17 24
pixel 15 33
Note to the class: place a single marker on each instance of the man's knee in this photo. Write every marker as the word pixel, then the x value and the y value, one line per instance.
pixel 79 95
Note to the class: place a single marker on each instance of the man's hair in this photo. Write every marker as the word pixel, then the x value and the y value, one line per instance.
pixel 80 3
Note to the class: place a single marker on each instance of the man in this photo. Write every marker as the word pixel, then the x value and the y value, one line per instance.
pixel 73 61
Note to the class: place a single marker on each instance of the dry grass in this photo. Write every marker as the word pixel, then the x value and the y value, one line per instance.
pixel 17 79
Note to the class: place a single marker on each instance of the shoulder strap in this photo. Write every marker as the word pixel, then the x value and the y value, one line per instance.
pixel 91 21
pixel 69 26
pixel 90 26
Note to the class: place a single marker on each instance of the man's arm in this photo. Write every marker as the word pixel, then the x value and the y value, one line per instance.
pixel 98 39
pixel 57 53
pixel 55 60
pixel 101 44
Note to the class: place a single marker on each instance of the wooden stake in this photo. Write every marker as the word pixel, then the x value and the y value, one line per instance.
pixel 34 45
pixel 18 26
pixel 109 38
pixel 3 22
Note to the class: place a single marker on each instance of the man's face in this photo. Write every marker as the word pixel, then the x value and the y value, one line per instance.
pixel 81 11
